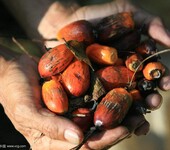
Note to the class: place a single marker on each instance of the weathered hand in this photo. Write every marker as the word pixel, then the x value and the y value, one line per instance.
pixel 21 99
pixel 135 123
pixel 22 78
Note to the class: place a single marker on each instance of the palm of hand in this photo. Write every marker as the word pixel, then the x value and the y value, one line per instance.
pixel 22 104
pixel 21 93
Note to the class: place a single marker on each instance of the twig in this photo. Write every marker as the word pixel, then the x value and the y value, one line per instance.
pixel 23 49
pixel 157 53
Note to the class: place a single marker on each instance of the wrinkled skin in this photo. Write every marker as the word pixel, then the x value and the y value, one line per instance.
pixel 20 90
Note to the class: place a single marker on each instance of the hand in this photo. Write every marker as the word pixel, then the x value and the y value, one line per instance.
pixel 94 13
pixel 20 95
pixel 136 124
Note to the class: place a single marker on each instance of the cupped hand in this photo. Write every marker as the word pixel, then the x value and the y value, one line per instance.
pixel 21 90
pixel 21 99
pixel 135 123
pixel 43 129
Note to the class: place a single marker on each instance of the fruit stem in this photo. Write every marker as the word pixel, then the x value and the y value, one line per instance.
pixel 86 137
pixel 157 53
pixel 94 105
pixel 156 74
pixel 23 49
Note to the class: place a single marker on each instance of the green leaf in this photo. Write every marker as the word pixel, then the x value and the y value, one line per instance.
pixel 30 46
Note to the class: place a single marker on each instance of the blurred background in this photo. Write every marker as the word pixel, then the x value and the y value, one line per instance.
pixel 159 136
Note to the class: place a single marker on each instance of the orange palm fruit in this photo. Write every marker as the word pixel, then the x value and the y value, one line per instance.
pixel 76 78
pixel 55 61
pixel 81 30
pixel 113 108
pixel 54 97
pixel 154 70
pixel 114 76
pixel 102 54
pixel 114 26
pixel 133 62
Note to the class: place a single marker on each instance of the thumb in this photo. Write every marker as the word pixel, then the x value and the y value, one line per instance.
pixel 57 127
pixel 161 35
pixel 50 124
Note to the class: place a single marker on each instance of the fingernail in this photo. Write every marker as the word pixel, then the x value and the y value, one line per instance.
pixel 71 136
pixel 153 101
pixel 166 82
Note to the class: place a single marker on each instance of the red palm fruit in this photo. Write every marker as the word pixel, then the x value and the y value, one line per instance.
pixel 54 61
pixel 136 95
pixel 154 70
pixel 54 97
pixel 76 78
pixel 83 117
pixel 112 109
pixel 146 86
pixel 147 48
pixel 81 30
pixel 114 26
pixel 102 54
pixel 133 62
pixel 109 113
pixel 127 42
pixel 114 76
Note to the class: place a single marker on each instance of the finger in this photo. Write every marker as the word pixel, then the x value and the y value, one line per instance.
pixel 132 122
pixel 44 142
pixel 94 13
pixel 107 138
pixel 161 35
pixel 153 101
pixel 152 24
pixel 143 129
pixel 165 83
pixel 51 44
pixel 54 126
pixel 57 127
